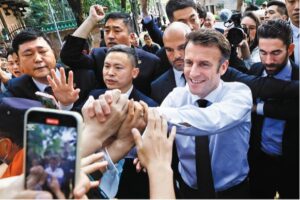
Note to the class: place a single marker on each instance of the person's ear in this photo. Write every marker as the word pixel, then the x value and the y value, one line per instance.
pixel 135 72
pixel 290 49
pixel 5 146
pixel 131 37
pixel 223 68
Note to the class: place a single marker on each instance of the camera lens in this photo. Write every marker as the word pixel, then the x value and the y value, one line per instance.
pixel 235 36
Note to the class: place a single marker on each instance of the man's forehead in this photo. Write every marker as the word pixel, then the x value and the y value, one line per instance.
pixel 115 23
pixel 184 13
pixel 40 42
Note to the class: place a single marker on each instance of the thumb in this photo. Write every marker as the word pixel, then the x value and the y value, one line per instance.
pixel 137 138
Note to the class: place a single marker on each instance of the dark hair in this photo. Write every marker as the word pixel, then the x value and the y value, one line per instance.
pixel 26 35
pixel 9 51
pixel 280 7
pixel 209 38
pixel 276 29
pixel 251 7
pixel 125 18
pixel 147 36
pixel 201 10
pixel 251 15
pixel 174 5
pixel 127 50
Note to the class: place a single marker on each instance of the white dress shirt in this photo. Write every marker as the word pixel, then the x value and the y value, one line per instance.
pixel 226 121
pixel 179 79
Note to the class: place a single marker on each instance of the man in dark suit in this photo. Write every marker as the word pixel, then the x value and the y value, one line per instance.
pixel 174 40
pixel 118 73
pixel 37 60
pixel 118 29
pixel 274 145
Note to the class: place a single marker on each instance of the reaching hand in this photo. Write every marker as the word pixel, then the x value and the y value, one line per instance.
pixel 89 164
pixel 102 120
pixel 63 90
pixel 144 7
pixel 154 148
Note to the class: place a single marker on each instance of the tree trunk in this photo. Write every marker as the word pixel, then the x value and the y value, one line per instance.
pixel 123 4
pixel 77 9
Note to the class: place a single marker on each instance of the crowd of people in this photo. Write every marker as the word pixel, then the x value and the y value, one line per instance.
pixel 177 108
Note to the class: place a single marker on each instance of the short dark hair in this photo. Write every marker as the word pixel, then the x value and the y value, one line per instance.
pixel 26 35
pixel 174 5
pixel 276 29
pixel 125 18
pixel 209 38
pixel 201 10
pixel 280 7
pixel 131 53
pixel 9 51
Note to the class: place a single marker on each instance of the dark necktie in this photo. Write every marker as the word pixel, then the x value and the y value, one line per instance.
pixel 48 90
pixel 203 164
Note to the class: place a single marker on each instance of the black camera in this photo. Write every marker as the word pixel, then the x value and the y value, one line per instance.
pixel 237 33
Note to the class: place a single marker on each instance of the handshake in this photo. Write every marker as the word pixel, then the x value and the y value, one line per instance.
pixel 114 122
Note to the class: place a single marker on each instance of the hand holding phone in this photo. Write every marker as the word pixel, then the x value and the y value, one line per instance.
pixel 52 150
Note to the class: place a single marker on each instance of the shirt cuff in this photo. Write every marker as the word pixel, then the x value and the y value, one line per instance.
pixel 260 108
pixel 147 19
pixel 62 107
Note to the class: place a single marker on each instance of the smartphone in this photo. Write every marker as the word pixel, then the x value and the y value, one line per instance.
pixel 47 100
pixel 52 154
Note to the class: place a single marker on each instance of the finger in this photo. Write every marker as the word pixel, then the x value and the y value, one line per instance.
pixel 138 167
pixel 108 96
pixel 95 167
pixel 145 108
pixel 172 134
pixel 92 158
pixel 62 75
pixel 116 94
pixel 151 122
pixel 98 111
pixel 104 105
pixel 137 138
pixel 94 184
pixel 135 161
pixel 87 109
pixel 70 79
pixel 130 112
pixel 164 126
pixel 157 121
pixel 55 78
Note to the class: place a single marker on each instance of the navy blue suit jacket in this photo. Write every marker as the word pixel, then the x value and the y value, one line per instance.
pixel 286 109
pixel 71 55
pixel 22 87
pixel 162 86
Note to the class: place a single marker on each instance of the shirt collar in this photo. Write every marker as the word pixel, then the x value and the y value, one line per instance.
pixel 42 86
pixel 295 30
pixel 129 91
pixel 177 73
pixel 211 97
pixel 284 74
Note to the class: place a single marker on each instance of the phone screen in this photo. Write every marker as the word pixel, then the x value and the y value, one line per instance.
pixel 51 141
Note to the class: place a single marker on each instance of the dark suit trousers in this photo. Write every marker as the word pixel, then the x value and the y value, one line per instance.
pixel 267 176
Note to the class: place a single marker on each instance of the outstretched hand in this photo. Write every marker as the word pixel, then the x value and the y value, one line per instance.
pixel 63 89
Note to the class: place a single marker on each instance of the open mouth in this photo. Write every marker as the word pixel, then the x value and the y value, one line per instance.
pixel 196 81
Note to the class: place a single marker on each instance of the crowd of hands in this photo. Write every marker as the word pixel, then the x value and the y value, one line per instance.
pixel 115 124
